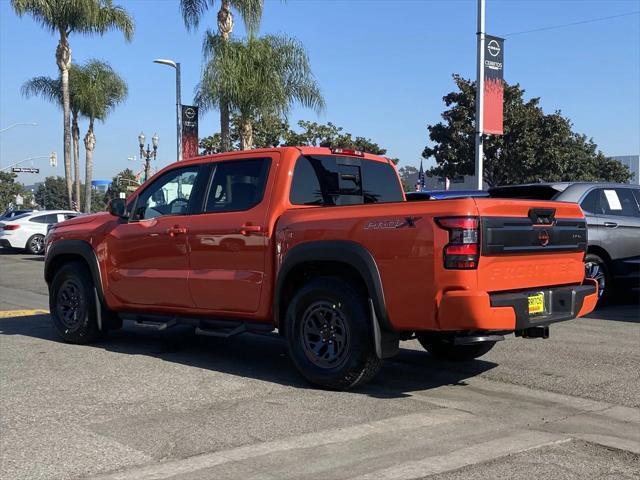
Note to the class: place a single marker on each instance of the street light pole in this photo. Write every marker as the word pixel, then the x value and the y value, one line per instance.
pixel 50 156
pixel 148 154
pixel 479 154
pixel 175 65
pixel 29 124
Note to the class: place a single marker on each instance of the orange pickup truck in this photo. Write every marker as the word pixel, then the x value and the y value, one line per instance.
pixel 321 245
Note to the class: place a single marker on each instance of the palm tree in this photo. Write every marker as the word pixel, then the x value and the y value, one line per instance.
pixel 259 77
pixel 51 89
pixel 101 91
pixel 251 13
pixel 65 17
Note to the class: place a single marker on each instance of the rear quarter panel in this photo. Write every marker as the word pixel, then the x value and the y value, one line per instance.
pixel 408 258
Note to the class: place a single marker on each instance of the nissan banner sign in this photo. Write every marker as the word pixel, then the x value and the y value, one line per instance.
pixel 493 85
pixel 189 131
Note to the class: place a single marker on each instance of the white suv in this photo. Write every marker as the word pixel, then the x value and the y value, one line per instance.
pixel 29 229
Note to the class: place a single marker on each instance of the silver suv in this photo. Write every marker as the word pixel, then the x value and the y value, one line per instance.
pixel 613 219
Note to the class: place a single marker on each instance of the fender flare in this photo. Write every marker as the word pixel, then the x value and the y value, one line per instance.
pixel 78 248
pixel 356 256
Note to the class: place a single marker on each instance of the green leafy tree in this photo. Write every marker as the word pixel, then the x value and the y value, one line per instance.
pixel 408 177
pixel 101 91
pixel 50 89
pixel 121 183
pixel 251 13
pixel 258 77
pixel 272 131
pixel 535 146
pixel 332 136
pixel 65 17
pixel 52 194
pixel 9 188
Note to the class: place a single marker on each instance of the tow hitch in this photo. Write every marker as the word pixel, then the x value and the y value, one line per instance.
pixel 534 332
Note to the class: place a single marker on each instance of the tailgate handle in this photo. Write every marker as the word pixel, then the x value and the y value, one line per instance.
pixel 542 216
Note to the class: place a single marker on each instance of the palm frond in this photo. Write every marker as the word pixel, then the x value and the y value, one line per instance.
pixel 251 13
pixel 45 87
pixel 193 10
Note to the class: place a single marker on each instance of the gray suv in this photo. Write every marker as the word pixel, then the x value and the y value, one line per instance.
pixel 613 219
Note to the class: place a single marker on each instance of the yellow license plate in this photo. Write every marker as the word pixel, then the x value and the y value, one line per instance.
pixel 536 303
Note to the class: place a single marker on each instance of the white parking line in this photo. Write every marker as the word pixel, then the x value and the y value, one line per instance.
pixel 483 452
pixel 309 440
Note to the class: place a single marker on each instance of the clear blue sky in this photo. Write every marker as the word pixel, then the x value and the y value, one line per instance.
pixel 383 67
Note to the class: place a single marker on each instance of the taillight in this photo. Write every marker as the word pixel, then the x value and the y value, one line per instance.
pixel 10 227
pixel 463 250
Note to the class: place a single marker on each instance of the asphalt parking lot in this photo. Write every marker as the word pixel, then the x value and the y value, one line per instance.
pixel 171 405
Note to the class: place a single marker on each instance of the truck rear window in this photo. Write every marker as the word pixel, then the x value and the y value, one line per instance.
pixel 335 180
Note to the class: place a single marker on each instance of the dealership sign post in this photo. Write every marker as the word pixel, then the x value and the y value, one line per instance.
pixel 189 131
pixel 489 89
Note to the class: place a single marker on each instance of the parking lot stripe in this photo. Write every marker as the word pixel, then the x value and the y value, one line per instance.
pixel 519 442
pixel 308 440
pixel 22 313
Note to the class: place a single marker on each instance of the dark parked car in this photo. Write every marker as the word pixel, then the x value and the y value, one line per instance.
pixel 613 219
pixel 444 194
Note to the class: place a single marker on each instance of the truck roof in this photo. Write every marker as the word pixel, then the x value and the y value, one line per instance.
pixel 303 150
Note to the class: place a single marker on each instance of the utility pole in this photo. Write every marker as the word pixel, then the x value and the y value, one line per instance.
pixel 479 154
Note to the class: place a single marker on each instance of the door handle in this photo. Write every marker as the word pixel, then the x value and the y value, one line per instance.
pixel 610 224
pixel 176 230
pixel 249 229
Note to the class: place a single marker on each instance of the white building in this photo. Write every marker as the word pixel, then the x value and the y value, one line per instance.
pixel 633 162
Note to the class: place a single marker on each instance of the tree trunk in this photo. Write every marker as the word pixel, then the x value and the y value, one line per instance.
pixel 246 139
pixel 75 135
pixel 63 59
pixel 89 145
pixel 225 27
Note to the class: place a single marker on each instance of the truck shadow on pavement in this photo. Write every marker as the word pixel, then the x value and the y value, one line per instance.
pixel 261 357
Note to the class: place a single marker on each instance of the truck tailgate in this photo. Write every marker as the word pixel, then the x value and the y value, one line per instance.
pixel 530 244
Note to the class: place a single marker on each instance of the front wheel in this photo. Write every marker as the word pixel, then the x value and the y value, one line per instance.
pixel 73 305
pixel 442 349
pixel 329 334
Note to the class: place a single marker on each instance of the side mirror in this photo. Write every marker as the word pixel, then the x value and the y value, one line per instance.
pixel 117 207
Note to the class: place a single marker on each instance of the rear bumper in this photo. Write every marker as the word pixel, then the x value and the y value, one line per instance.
pixel 5 243
pixel 463 310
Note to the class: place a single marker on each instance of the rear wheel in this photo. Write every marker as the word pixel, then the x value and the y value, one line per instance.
pixel 73 305
pixel 35 244
pixel 329 335
pixel 596 268
pixel 444 349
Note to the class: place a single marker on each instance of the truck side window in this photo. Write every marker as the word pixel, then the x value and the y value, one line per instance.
pixel 237 185
pixel 305 186
pixel 168 195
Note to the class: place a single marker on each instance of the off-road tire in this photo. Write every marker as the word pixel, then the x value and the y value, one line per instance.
pixel 445 350
pixel 72 304
pixel 340 305
pixel 35 244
